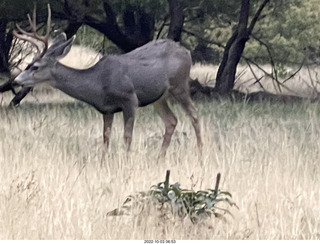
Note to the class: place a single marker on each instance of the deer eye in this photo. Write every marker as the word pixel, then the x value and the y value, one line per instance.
pixel 34 68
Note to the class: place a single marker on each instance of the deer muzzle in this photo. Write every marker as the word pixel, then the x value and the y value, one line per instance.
pixel 24 79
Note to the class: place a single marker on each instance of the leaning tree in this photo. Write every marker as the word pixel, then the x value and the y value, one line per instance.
pixel 234 48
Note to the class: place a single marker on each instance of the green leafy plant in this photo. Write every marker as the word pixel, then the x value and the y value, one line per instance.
pixel 197 205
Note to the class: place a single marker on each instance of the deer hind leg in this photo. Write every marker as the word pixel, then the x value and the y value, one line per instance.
pixel 182 96
pixel 170 121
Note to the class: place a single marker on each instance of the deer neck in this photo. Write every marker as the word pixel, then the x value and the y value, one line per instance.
pixel 79 84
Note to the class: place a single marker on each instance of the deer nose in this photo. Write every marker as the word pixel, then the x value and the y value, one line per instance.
pixel 17 81
pixel 22 79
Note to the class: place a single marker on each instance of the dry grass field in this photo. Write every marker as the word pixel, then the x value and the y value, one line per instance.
pixel 54 186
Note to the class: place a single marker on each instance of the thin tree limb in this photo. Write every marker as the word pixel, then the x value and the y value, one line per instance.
pixel 256 16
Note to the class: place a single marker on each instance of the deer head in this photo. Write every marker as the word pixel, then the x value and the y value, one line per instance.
pixel 44 57
pixel 40 69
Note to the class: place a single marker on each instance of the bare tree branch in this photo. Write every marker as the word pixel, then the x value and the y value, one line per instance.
pixel 256 16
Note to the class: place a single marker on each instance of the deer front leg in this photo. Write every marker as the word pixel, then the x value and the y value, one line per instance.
pixel 129 109
pixel 107 125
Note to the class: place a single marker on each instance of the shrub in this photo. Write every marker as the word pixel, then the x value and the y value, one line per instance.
pixel 179 202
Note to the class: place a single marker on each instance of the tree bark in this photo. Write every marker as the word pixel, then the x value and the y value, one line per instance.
pixel 232 54
pixel 5 43
pixel 72 29
pixel 176 19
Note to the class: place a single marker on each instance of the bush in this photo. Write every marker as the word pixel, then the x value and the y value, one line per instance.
pixel 179 202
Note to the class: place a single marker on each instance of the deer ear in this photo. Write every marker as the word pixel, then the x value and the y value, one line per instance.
pixel 60 47
pixel 62 37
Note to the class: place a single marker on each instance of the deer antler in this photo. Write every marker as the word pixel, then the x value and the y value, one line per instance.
pixel 30 36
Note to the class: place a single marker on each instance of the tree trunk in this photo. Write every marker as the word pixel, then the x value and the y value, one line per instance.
pixel 176 19
pixel 227 70
pixel 72 29
pixel 5 43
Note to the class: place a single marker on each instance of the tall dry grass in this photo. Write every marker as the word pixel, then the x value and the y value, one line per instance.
pixel 54 187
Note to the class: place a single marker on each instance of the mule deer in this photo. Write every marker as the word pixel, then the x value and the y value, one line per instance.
pixel 146 75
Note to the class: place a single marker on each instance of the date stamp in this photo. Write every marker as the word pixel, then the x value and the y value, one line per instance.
pixel 159 241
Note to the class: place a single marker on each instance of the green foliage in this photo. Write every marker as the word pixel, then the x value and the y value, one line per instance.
pixel 289 29
pixel 198 205
pixel 90 37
